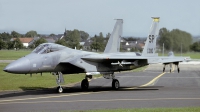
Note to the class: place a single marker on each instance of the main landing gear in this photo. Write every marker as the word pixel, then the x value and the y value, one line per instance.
pixel 59 80
pixel 115 83
pixel 170 65
pixel 85 84
pixel 178 69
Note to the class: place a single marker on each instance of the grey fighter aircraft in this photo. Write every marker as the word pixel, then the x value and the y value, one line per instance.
pixel 58 59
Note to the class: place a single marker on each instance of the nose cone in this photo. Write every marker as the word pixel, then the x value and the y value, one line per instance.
pixel 21 65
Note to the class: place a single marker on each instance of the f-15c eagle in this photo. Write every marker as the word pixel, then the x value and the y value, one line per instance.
pixel 58 59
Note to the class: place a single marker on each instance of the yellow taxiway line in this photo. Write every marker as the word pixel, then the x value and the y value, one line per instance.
pixel 153 80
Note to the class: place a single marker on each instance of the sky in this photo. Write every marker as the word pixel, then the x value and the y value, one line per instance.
pixel 95 16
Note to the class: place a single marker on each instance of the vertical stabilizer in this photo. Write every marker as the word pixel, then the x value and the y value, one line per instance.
pixel 113 44
pixel 150 44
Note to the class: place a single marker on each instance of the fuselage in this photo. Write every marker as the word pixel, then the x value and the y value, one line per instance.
pixel 57 58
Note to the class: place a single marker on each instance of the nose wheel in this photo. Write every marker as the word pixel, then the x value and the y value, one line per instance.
pixel 59 89
pixel 59 80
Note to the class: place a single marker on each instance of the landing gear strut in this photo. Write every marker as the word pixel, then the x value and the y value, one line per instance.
pixel 164 68
pixel 178 69
pixel 170 67
pixel 59 80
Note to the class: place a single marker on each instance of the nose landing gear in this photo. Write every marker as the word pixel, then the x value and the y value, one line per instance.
pixel 59 80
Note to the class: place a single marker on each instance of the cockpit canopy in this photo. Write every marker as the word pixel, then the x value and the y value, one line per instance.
pixel 47 48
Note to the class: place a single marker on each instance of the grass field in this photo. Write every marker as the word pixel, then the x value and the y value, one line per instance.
pixel 10 81
pixel 13 55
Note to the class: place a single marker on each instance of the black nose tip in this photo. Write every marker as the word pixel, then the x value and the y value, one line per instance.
pixel 5 70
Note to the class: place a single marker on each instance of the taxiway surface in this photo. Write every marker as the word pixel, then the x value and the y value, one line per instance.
pixel 148 89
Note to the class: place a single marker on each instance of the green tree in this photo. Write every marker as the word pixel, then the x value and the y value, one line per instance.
pixel 175 40
pixel 10 45
pixel 98 43
pixel 17 44
pixel 31 33
pixel 51 35
pixel 39 41
pixel 131 39
pixel 73 38
pixel 5 36
pixel 2 44
pixel 84 35
pixel 61 42
pixel 195 46
pixel 101 41
pixel 164 37
pixel 15 34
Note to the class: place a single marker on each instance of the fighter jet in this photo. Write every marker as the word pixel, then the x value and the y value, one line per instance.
pixel 59 60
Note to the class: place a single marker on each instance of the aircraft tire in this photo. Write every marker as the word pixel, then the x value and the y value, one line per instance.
pixel 115 84
pixel 84 84
pixel 59 89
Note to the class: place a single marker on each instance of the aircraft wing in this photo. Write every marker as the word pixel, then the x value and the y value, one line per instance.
pixel 104 57
pixel 120 57
pixel 167 60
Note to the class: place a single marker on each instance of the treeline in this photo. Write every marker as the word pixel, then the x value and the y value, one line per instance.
pixel 134 38
pixel 175 40
pixel 73 38
pixel 7 43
